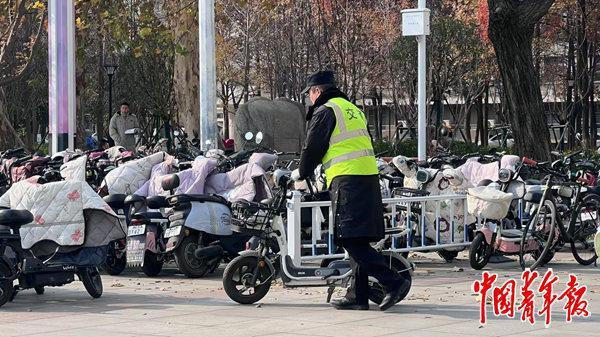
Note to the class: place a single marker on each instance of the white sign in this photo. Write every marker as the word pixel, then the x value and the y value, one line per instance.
pixel 415 22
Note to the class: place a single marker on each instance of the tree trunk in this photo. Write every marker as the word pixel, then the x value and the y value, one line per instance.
pixel 511 28
pixel 467 107
pixel 185 77
pixel 583 79
pixel 9 138
pixel 570 83
pixel 100 108
pixel 479 110
pixel 486 108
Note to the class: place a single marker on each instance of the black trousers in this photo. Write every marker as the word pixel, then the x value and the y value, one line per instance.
pixel 366 261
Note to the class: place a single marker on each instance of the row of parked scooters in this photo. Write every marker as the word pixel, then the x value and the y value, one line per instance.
pixel 515 206
pixel 203 212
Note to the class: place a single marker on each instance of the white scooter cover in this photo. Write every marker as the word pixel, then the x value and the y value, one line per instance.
pixel 69 213
pixel 446 182
pixel 74 169
pixel 475 171
pixel 129 177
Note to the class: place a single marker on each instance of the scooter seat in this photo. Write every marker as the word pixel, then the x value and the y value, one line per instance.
pixel 15 218
pixel 133 199
pixel 157 201
pixel 533 196
pixel 182 198
pixel 512 233
pixel 115 201
pixel 148 216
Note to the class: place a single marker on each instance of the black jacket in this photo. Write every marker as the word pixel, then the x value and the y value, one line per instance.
pixel 356 200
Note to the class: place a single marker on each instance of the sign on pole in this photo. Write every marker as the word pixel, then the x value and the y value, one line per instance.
pixel 415 22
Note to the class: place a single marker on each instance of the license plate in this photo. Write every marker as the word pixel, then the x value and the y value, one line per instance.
pixel 136 248
pixel 586 216
pixel 173 231
pixel 136 230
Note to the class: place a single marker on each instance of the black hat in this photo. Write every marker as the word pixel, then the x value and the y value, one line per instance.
pixel 319 78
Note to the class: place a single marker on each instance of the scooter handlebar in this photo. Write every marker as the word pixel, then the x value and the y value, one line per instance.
pixel 529 162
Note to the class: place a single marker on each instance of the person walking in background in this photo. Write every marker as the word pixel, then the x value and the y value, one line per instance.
pixel 121 122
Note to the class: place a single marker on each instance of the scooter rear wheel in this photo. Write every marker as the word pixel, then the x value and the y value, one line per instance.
pixel 152 264
pixel 187 262
pixel 114 265
pixel 237 280
pixel 6 287
pixel 376 290
pixel 92 281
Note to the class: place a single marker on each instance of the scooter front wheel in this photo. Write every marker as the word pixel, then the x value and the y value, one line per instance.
pixel 245 281
pixel 92 281
pixel 479 252
pixel 6 286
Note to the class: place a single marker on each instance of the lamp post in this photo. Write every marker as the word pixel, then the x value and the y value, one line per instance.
pixel 110 71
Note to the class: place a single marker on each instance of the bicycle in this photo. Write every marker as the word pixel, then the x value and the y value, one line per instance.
pixel 580 230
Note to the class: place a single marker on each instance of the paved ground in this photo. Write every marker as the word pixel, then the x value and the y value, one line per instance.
pixel 440 304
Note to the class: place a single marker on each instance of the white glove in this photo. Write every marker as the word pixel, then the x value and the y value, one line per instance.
pixel 295 175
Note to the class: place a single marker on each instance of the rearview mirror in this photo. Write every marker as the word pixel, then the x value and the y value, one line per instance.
pixel 259 137
pixel 249 135
pixel 176 133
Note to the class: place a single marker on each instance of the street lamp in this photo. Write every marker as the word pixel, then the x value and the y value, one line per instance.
pixel 110 71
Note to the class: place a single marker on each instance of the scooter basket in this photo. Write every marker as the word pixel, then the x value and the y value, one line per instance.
pixel 488 203
pixel 249 216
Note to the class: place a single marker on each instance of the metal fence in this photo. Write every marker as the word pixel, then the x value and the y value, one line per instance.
pixel 408 218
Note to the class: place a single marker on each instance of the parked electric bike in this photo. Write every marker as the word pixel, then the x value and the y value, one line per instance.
pixel 501 228
pixel 248 277
pixel 199 234
pixel 116 258
pixel 17 264
pixel 146 245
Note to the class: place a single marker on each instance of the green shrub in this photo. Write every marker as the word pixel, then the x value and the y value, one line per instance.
pixel 409 148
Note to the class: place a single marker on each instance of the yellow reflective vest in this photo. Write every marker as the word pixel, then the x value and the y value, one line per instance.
pixel 350 149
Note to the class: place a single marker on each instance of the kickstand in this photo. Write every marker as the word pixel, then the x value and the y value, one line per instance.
pixel 330 293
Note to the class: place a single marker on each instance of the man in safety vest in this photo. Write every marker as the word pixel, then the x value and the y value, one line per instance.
pixel 338 138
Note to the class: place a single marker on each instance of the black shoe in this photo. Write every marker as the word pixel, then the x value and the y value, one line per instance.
pixel 392 297
pixel 346 304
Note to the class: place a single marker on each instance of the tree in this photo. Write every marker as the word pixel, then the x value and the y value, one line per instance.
pixel 21 27
pixel 511 29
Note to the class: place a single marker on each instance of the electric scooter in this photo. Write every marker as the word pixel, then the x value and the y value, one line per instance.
pixel 248 277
